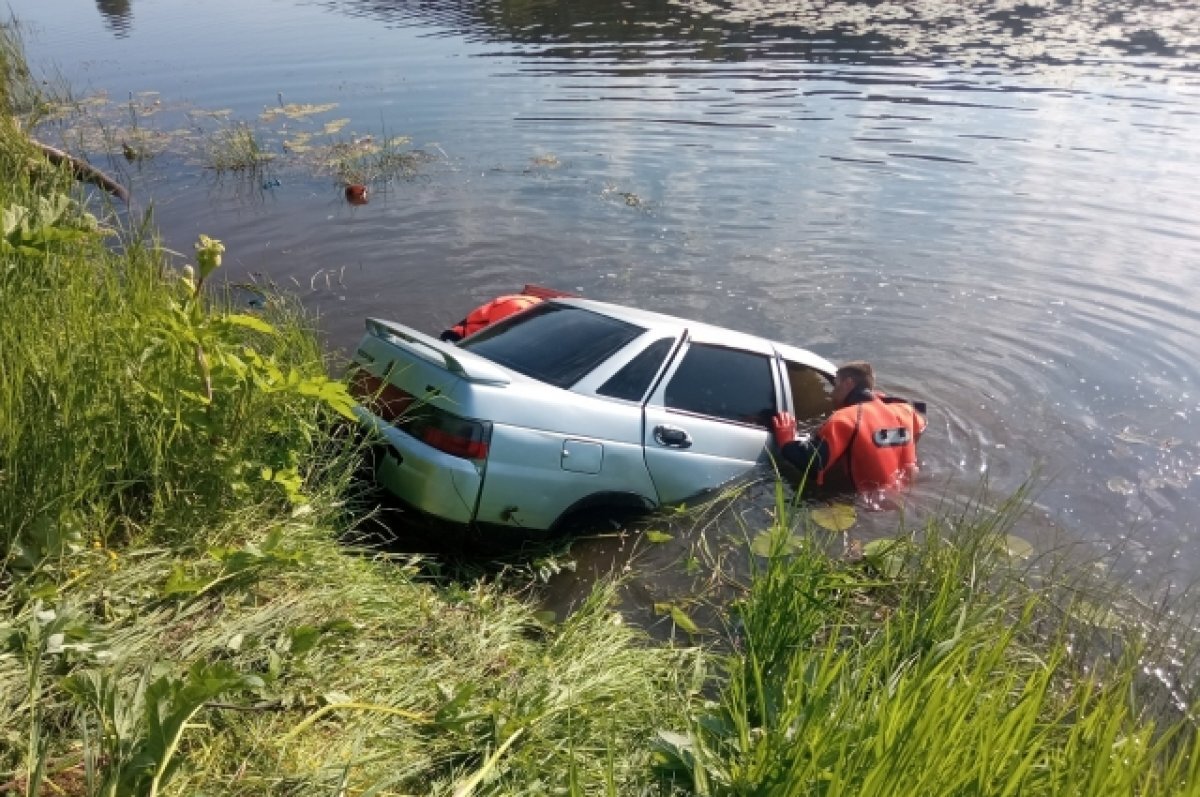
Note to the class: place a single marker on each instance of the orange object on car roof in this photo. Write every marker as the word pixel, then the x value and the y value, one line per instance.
pixel 501 307
pixel 542 292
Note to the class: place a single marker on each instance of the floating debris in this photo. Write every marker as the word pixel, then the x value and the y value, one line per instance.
pixel 1121 486
pixel 335 126
pixel 1127 435
pixel 296 110
pixel 298 143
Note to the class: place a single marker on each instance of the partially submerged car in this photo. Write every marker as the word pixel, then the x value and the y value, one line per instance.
pixel 574 405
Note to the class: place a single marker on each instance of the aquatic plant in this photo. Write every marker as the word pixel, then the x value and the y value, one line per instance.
pixel 370 159
pixel 235 147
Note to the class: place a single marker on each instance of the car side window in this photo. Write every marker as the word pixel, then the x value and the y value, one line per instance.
pixel 812 392
pixel 634 378
pixel 724 383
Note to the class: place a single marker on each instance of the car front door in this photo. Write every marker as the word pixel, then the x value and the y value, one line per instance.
pixel 707 421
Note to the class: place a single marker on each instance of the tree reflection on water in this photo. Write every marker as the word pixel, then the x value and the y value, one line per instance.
pixel 118 16
pixel 993 33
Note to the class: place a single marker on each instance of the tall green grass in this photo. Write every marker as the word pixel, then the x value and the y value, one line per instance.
pixel 126 396
pixel 176 615
pixel 946 673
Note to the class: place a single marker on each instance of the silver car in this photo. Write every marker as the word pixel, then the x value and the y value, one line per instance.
pixel 574 405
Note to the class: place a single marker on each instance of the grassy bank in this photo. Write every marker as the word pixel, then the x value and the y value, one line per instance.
pixel 954 670
pixel 177 615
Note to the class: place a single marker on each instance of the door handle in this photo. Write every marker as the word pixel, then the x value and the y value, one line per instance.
pixel 672 437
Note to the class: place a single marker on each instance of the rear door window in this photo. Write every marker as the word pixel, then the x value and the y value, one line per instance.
pixel 731 384
pixel 553 343
pixel 634 378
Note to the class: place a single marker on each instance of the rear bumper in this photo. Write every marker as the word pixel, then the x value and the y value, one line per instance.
pixel 435 483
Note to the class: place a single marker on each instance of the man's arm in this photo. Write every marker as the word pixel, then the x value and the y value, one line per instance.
pixel 809 453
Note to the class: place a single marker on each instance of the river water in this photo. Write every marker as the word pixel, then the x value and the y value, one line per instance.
pixel 995 202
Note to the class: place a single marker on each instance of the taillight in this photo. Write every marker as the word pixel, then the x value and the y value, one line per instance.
pixel 445 431
pixel 448 433
pixel 381 398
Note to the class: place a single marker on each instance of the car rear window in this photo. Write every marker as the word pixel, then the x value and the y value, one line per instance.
pixel 553 343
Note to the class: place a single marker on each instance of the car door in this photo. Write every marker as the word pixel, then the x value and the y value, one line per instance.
pixel 707 420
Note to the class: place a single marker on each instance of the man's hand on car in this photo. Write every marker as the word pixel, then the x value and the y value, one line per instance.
pixel 783 426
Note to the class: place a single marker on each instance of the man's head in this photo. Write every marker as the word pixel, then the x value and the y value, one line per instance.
pixel 850 378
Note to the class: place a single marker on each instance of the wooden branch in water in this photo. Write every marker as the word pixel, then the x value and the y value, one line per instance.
pixel 83 170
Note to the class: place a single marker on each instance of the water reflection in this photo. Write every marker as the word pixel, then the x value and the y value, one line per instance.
pixel 118 16
pixel 986 33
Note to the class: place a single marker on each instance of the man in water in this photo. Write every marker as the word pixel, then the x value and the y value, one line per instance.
pixel 868 444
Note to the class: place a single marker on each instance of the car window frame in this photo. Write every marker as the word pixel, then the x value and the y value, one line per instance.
pixel 602 373
pixel 657 396
pixel 502 326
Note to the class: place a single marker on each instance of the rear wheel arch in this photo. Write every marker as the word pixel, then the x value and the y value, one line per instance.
pixel 596 504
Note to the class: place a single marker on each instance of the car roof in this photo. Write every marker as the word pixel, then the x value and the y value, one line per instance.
pixel 672 324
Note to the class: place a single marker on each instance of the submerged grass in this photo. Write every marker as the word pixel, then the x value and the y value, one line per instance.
pixel 176 616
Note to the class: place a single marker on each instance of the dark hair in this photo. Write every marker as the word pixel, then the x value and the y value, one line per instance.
pixel 860 371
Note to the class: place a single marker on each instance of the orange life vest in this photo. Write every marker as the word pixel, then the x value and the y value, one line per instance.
pixel 493 311
pixel 873 443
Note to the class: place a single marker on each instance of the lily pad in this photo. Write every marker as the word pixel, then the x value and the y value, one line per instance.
pixel 1016 547
pixel 835 517
pixel 764 544
pixel 887 556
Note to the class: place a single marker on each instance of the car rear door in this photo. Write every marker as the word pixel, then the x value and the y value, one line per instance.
pixel 707 420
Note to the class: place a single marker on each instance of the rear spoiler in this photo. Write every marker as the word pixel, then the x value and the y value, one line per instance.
pixel 542 292
pixel 462 364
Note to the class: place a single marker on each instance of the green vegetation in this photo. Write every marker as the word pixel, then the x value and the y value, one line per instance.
pixel 235 147
pixel 177 615
pixel 289 140
pixel 370 160
pixel 955 676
